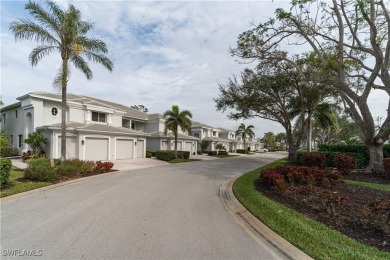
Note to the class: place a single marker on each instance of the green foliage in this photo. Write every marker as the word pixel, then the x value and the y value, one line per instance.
pixel 245 132
pixel 168 155
pixel 199 152
pixel 314 160
pixel 4 142
pixel 204 145
pixel 244 151
pixel 344 163
pixel 5 170
pixel 148 155
pixel 8 151
pixel 220 147
pixel 36 141
pixel 360 160
pixel 213 153
pixel 269 139
pixel 74 168
pixel 40 170
pixel 386 166
pixel 153 153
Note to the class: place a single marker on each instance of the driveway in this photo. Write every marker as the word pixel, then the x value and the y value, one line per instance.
pixel 165 212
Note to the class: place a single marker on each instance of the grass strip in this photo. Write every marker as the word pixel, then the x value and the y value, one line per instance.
pixel 370 185
pixel 18 187
pixel 180 160
pixel 312 237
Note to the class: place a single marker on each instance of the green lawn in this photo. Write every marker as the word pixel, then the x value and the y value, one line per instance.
pixel 370 185
pixel 18 187
pixel 179 160
pixel 224 155
pixel 312 237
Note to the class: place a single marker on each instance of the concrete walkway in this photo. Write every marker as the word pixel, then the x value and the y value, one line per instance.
pixel 19 163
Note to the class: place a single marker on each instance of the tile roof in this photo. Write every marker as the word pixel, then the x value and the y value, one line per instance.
pixel 96 128
pixel 130 112
pixel 170 135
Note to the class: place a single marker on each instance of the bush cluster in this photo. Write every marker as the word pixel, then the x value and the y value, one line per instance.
pixel 314 160
pixel 148 154
pixel 8 151
pixel 281 178
pixel 169 155
pixel 378 212
pixel 360 160
pixel 152 153
pixel 5 170
pixel 344 163
pixel 244 151
pixel 40 170
pixel 199 152
pixel 212 153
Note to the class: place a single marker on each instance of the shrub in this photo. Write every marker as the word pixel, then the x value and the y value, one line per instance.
pixel 8 151
pixel 314 160
pixel 103 166
pixel 36 141
pixel 165 155
pixel 40 170
pixel 183 154
pixel 5 170
pixel 26 155
pixel 378 212
pixel 193 153
pixel 74 167
pixel 386 166
pixel 242 151
pixel 148 155
pixel 199 152
pixel 344 163
pixel 212 153
pixel 204 145
pixel 153 153
pixel 67 170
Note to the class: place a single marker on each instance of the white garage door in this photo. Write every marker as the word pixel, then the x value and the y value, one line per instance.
pixel 124 149
pixel 71 145
pixel 188 147
pixel 164 145
pixel 96 149
pixel 140 149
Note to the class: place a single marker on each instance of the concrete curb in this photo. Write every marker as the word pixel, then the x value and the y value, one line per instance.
pixel 275 244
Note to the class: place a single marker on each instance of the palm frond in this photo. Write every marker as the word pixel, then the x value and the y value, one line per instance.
pixel 25 29
pixel 100 58
pixel 59 79
pixel 82 65
pixel 48 20
pixel 39 52
pixel 92 45
pixel 85 27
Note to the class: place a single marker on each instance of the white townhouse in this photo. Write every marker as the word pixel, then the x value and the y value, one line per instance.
pixel 95 129
pixel 210 134
pixel 234 144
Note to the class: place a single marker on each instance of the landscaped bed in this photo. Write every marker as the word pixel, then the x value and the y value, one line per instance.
pixel 321 220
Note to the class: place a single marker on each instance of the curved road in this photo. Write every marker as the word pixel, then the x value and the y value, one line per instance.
pixel 168 212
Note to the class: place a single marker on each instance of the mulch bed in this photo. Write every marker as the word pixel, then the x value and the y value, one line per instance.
pixel 342 207
pixel 365 177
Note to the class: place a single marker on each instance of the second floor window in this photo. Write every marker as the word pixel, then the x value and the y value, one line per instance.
pixel 133 125
pixel 196 135
pixel 98 117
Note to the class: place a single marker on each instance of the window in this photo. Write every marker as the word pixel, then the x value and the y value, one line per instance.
pixel 214 133
pixel 3 118
pixel 54 111
pixel 133 125
pixel 16 113
pixel 196 135
pixel 126 123
pixel 11 140
pixel 20 141
pixel 98 117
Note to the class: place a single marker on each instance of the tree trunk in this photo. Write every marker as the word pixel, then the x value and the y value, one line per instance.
pixel 309 135
pixel 292 153
pixel 63 110
pixel 176 145
pixel 376 158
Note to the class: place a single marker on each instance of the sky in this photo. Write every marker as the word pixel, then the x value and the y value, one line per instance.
pixel 164 53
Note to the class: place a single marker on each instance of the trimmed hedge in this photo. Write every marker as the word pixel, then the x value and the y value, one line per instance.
pixel 5 170
pixel 8 151
pixel 361 161
pixel 40 170
pixel 244 151
pixel 212 153
pixel 153 153
pixel 148 154
pixel 169 155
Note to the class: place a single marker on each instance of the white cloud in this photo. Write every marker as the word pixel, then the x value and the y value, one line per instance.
pixel 164 53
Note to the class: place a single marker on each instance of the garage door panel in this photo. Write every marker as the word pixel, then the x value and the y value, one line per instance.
pixel 71 147
pixel 96 149
pixel 188 147
pixel 124 149
pixel 140 149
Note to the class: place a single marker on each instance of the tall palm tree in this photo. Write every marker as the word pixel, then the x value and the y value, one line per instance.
pixel 245 132
pixel 175 119
pixel 63 32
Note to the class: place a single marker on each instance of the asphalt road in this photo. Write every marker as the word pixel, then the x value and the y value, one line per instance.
pixel 168 212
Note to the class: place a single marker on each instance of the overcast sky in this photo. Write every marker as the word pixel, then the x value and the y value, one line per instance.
pixel 164 53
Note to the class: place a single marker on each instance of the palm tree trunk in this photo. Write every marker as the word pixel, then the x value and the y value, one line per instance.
pixel 63 112
pixel 309 135
pixel 176 145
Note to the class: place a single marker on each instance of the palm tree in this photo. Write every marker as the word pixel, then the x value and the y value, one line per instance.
pixel 245 132
pixel 61 31
pixel 175 119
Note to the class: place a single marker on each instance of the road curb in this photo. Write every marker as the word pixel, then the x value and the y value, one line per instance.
pixel 275 244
